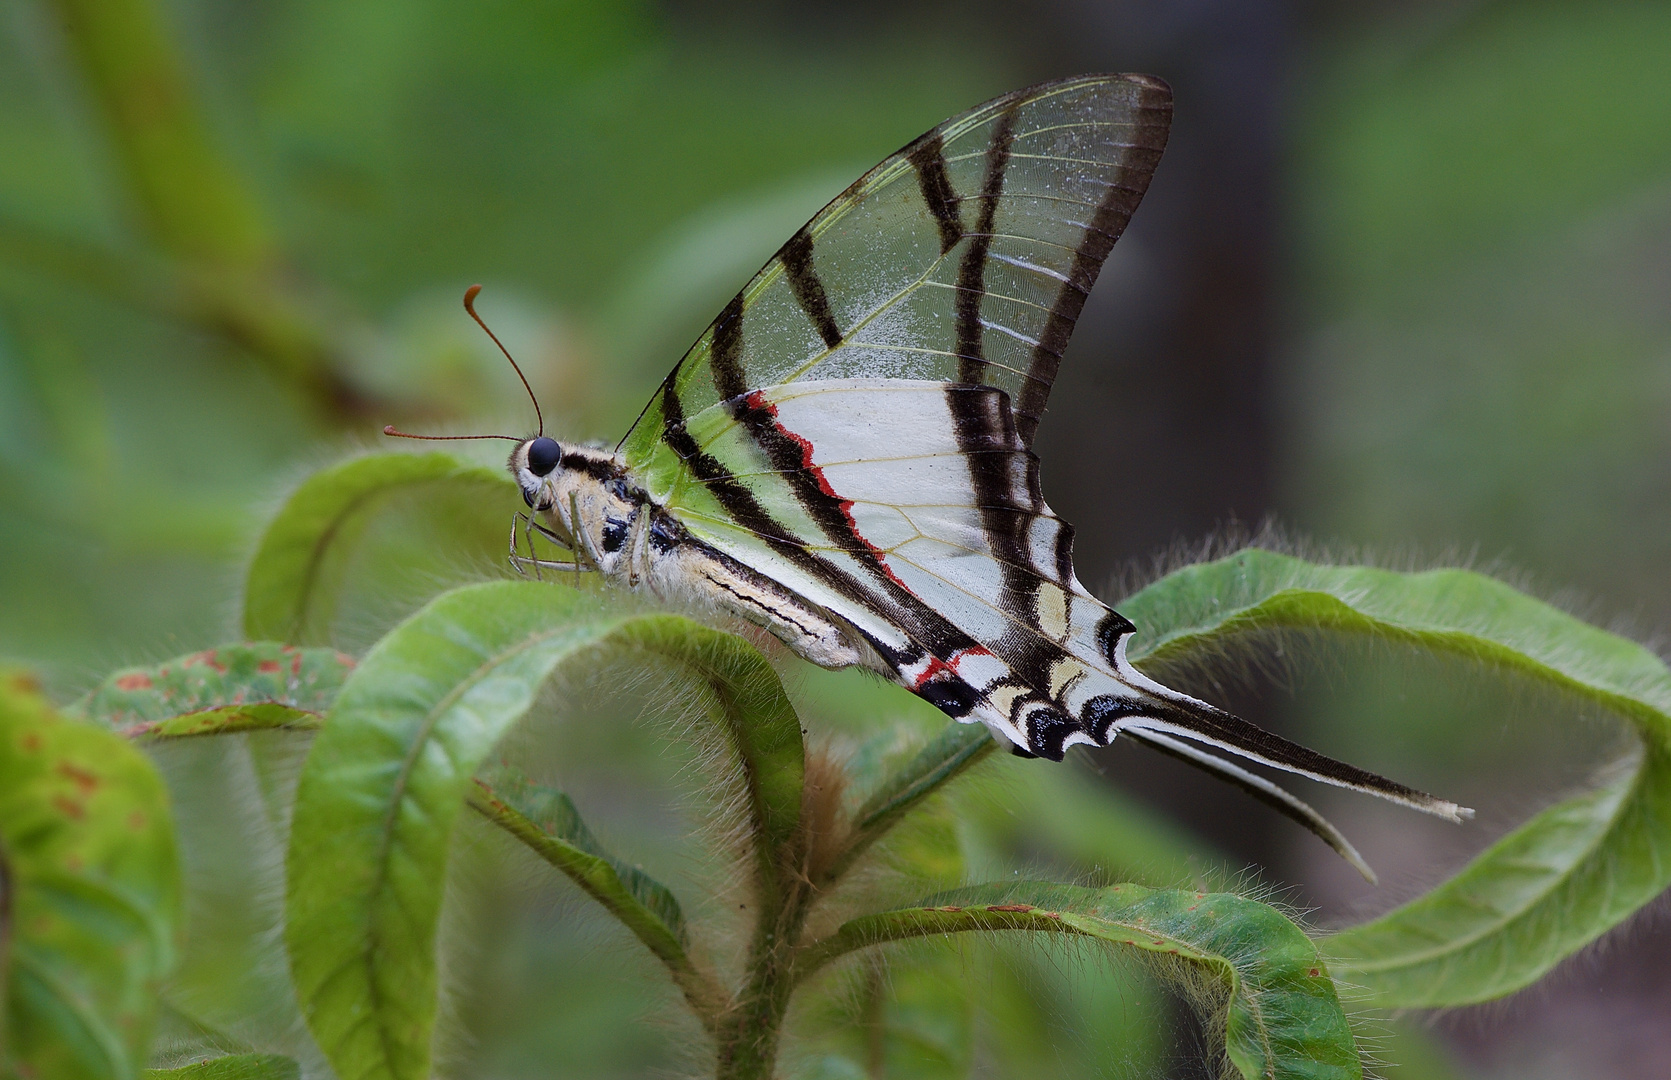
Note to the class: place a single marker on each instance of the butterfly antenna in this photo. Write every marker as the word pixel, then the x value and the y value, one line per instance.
pixel 389 429
pixel 470 306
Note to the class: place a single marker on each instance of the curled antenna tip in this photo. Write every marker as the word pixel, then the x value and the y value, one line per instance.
pixel 470 306
pixel 389 429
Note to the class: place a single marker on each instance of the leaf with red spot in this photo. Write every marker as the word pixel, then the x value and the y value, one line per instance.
pixel 239 687
pixel 89 894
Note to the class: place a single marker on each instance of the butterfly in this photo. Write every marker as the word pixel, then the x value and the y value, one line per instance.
pixel 844 456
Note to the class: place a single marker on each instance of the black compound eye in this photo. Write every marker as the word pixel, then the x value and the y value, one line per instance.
pixel 543 455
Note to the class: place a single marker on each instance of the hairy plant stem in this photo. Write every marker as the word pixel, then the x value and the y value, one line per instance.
pixel 747 1032
pixel 746 1036
pixel 747 1040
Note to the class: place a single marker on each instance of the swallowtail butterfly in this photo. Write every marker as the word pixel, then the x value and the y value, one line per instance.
pixel 843 457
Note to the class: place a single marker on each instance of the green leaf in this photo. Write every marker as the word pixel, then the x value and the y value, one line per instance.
pixel 1547 889
pixel 1278 1010
pixel 240 687
pixel 549 824
pixel 232 1067
pixel 1531 899
pixel 292 588
pixel 384 781
pixel 89 894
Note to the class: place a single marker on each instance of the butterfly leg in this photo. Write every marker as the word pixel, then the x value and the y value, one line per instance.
pixel 518 561
pixel 516 553
pixel 638 548
pixel 585 546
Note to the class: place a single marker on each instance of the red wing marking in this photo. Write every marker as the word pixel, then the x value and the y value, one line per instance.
pixel 758 400
pixel 936 665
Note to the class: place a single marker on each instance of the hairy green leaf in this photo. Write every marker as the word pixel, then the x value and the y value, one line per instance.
pixel 232 1067
pixel 1553 885
pixel 549 824
pixel 1531 899
pixel 89 894
pixel 384 781
pixel 1276 1006
pixel 240 687
pixel 291 590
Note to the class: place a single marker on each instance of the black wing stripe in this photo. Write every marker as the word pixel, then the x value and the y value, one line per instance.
pixel 726 355
pixel 971 273
pixel 796 257
pixel 1064 555
pixel 1119 202
pixel 1112 628
pixel 928 157
pixel 982 419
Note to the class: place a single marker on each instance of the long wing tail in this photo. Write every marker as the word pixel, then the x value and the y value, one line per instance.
pixel 1199 722
pixel 1260 788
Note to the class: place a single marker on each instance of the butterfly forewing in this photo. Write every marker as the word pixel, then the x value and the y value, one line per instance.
pixel 966 257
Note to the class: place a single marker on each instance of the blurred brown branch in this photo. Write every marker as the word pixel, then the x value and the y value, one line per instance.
pixel 226 271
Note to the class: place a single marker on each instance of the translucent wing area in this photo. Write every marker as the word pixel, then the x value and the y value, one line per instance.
pixel 966 257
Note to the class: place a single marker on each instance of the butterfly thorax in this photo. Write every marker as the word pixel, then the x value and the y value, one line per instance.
pixel 590 502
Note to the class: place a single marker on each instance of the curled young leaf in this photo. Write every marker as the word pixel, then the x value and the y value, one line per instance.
pixel 1547 889
pixel 292 588
pixel 386 777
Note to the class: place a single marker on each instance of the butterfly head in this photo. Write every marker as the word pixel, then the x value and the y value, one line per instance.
pixel 533 464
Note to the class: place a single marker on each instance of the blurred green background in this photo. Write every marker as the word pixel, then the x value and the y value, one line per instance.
pixel 1403 281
